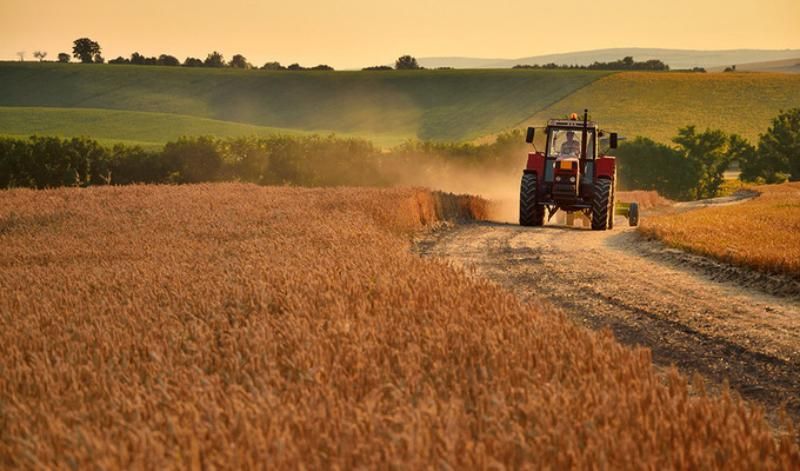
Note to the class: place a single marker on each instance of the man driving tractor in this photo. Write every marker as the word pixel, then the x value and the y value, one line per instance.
pixel 571 147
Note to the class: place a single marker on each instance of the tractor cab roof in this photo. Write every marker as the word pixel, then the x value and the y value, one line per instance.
pixel 570 123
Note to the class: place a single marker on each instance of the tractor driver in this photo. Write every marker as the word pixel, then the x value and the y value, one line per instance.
pixel 571 147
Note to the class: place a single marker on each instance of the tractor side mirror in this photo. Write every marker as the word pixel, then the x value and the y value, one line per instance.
pixel 529 136
pixel 613 140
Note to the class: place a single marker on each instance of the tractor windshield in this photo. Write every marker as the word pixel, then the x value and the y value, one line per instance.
pixel 565 143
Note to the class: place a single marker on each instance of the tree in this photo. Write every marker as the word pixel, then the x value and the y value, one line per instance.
pixel 273 66
pixel 195 159
pixel 295 66
pixel 63 57
pixel 741 151
pixel 166 59
pixel 137 59
pixel 647 165
pixel 98 59
pixel 40 55
pixel 322 67
pixel 240 62
pixel 120 60
pixel 406 63
pixel 21 55
pixel 709 157
pixel 215 59
pixel 778 156
pixel 192 62
pixel 85 49
pixel 378 67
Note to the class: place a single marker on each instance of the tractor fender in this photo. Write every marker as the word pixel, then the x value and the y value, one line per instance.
pixel 535 163
pixel 605 167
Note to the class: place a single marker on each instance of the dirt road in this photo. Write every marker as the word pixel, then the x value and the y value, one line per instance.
pixel 647 296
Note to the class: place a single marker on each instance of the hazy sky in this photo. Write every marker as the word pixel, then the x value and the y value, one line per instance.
pixel 356 33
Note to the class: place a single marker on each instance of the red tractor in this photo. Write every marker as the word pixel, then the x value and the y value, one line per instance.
pixel 572 175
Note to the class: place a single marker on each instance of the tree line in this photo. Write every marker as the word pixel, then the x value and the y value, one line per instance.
pixel 694 167
pixel 88 51
pixel 49 162
pixel 626 63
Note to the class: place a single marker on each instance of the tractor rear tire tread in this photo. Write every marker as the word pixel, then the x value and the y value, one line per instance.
pixel 600 204
pixel 530 213
pixel 613 204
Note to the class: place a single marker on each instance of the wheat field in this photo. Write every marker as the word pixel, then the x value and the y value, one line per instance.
pixel 763 233
pixel 235 326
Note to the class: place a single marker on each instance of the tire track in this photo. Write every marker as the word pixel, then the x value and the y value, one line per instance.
pixel 715 328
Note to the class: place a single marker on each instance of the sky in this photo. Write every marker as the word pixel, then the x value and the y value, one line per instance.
pixel 357 33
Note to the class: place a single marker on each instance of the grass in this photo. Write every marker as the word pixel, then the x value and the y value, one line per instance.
pixel 763 233
pixel 655 105
pixel 238 326
pixel 440 105
pixel 389 107
pixel 147 129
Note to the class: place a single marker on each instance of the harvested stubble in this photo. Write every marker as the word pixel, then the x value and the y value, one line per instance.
pixel 763 233
pixel 238 326
pixel 646 199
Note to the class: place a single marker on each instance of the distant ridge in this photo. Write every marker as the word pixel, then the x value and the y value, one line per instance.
pixel 787 65
pixel 675 58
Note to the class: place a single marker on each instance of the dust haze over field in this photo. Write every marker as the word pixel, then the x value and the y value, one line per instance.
pixel 499 186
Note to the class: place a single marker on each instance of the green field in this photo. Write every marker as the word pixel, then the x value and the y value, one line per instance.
pixel 655 105
pixel 130 127
pixel 151 105
pixel 439 105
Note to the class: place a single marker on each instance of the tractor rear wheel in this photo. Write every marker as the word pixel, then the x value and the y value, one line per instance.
pixel 601 204
pixel 530 213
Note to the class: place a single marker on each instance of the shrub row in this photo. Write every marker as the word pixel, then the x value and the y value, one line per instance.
pixel 49 162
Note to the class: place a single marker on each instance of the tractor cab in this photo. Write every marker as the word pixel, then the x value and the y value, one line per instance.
pixel 570 151
pixel 570 175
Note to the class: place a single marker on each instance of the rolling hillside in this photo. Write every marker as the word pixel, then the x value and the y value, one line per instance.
pixel 153 105
pixel 675 58
pixel 790 66
pixel 442 105
pixel 655 105
pixel 131 127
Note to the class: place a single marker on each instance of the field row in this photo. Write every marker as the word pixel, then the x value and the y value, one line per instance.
pixel 763 233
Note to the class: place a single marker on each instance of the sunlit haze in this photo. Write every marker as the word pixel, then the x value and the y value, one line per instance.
pixel 356 33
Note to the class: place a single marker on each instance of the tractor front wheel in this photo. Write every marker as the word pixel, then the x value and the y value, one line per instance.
pixel 530 213
pixel 601 205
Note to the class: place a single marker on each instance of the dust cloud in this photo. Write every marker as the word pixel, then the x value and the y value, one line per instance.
pixel 498 185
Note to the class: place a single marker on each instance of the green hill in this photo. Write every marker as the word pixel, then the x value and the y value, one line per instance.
pixel 428 104
pixel 131 127
pixel 152 105
pixel 655 105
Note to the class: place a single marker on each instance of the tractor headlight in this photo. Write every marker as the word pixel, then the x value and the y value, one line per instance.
pixel 572 179
pixel 558 179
